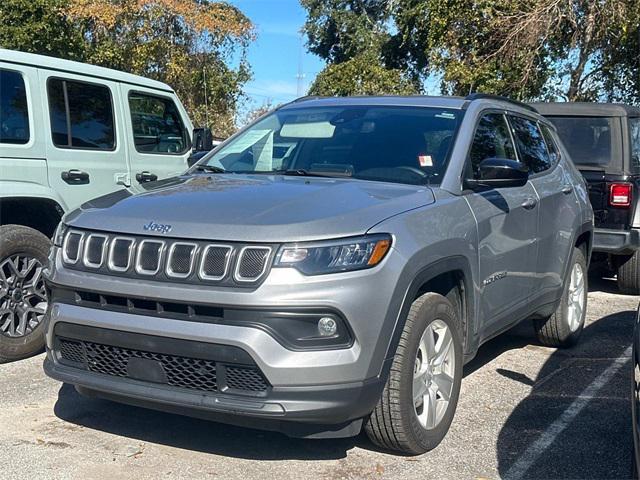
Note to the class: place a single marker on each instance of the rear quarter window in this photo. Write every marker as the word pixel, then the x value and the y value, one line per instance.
pixel 634 126
pixel 587 139
pixel 14 115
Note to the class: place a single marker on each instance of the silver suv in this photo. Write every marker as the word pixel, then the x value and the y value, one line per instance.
pixel 330 267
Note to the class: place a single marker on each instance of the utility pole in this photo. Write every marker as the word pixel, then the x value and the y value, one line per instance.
pixel 300 76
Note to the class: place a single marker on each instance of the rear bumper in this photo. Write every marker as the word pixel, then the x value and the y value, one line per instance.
pixel 616 241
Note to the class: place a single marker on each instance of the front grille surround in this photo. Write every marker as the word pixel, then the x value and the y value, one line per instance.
pixel 88 257
pixel 242 261
pixel 171 258
pixel 167 259
pixel 141 268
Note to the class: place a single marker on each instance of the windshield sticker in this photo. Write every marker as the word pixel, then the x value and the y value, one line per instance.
pixel 447 115
pixel 425 160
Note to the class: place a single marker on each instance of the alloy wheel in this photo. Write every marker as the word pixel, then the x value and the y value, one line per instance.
pixel 575 300
pixel 433 374
pixel 23 298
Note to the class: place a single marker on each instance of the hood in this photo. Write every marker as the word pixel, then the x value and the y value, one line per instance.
pixel 251 208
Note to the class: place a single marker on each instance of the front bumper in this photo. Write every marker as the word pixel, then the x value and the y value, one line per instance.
pixel 312 411
pixel 619 242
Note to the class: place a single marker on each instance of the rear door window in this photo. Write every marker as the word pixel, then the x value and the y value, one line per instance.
pixel 587 139
pixel 81 115
pixel 157 125
pixel 531 145
pixel 14 115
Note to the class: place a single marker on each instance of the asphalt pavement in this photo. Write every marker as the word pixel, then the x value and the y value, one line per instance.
pixel 525 411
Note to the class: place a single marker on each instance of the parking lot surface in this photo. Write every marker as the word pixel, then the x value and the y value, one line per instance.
pixel 525 411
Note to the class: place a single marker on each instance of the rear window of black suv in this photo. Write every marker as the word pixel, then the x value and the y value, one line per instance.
pixel 589 140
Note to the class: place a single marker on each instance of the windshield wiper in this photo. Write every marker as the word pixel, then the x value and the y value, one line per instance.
pixel 210 169
pixel 301 172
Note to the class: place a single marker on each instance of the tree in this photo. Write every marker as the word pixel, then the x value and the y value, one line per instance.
pixel 571 49
pixel 361 75
pixel 189 44
pixel 39 26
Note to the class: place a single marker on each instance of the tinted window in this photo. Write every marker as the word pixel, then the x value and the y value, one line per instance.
pixel 531 146
pixel 157 125
pixel 634 125
pixel 14 117
pixel 491 140
pixel 554 152
pixel 81 115
pixel 389 144
pixel 587 139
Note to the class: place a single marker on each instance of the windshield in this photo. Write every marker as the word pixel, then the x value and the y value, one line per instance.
pixel 390 144
pixel 588 139
pixel 634 125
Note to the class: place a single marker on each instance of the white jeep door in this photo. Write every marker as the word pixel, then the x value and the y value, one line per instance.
pixel 158 134
pixel 85 143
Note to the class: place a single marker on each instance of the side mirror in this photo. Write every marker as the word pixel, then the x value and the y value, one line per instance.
pixel 499 173
pixel 202 139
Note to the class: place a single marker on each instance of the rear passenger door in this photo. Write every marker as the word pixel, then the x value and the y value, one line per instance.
pixel 558 205
pixel 86 152
pixel 158 134
pixel 507 220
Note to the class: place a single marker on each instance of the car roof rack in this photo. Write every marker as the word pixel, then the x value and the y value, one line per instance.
pixel 308 97
pixel 489 96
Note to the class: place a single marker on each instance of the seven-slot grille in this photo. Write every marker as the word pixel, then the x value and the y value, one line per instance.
pixel 171 259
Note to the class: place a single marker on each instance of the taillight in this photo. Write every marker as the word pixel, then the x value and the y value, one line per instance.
pixel 620 194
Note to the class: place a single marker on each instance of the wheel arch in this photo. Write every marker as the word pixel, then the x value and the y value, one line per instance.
pixel 42 211
pixel 450 276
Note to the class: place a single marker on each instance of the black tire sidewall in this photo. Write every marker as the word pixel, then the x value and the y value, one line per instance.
pixel 17 239
pixel 434 307
pixel 567 336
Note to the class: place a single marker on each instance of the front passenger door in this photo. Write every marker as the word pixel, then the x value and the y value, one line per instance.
pixel 507 220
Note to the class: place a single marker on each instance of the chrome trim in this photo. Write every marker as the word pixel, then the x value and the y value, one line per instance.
pixel 65 258
pixel 169 271
pixel 236 274
pixel 85 260
pixel 110 265
pixel 142 271
pixel 203 255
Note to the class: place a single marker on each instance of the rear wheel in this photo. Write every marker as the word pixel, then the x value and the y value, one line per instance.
pixel 420 397
pixel 629 275
pixel 23 300
pixel 564 327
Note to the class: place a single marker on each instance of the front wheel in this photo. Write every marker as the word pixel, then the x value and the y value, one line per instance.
pixel 564 327
pixel 420 397
pixel 23 299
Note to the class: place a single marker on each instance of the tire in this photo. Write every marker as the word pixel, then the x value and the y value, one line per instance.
pixel 395 423
pixel 564 327
pixel 629 275
pixel 20 245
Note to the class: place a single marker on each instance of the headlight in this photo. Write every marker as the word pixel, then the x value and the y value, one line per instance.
pixel 58 237
pixel 335 255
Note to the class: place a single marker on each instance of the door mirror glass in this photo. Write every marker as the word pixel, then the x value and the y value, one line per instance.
pixel 202 140
pixel 499 173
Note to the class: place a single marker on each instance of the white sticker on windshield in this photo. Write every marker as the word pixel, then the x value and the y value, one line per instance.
pixel 425 160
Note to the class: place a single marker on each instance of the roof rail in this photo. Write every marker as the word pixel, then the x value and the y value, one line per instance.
pixel 308 97
pixel 478 96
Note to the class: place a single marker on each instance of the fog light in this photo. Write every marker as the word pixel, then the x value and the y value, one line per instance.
pixel 327 326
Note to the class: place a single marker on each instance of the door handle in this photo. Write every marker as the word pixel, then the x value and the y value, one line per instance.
pixel 144 177
pixel 75 177
pixel 529 203
pixel 567 189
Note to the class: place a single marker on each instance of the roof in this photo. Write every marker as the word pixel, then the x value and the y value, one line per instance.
pixel 384 100
pixel 585 109
pixel 53 63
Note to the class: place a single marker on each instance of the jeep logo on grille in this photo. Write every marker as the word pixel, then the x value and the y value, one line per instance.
pixel 157 227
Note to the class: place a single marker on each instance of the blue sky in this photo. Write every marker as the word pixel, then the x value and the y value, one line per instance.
pixel 275 55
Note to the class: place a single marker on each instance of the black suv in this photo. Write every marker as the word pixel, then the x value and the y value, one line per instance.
pixel 603 140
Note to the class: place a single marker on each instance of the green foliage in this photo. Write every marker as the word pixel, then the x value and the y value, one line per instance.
pixel 38 26
pixel 570 49
pixel 361 75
